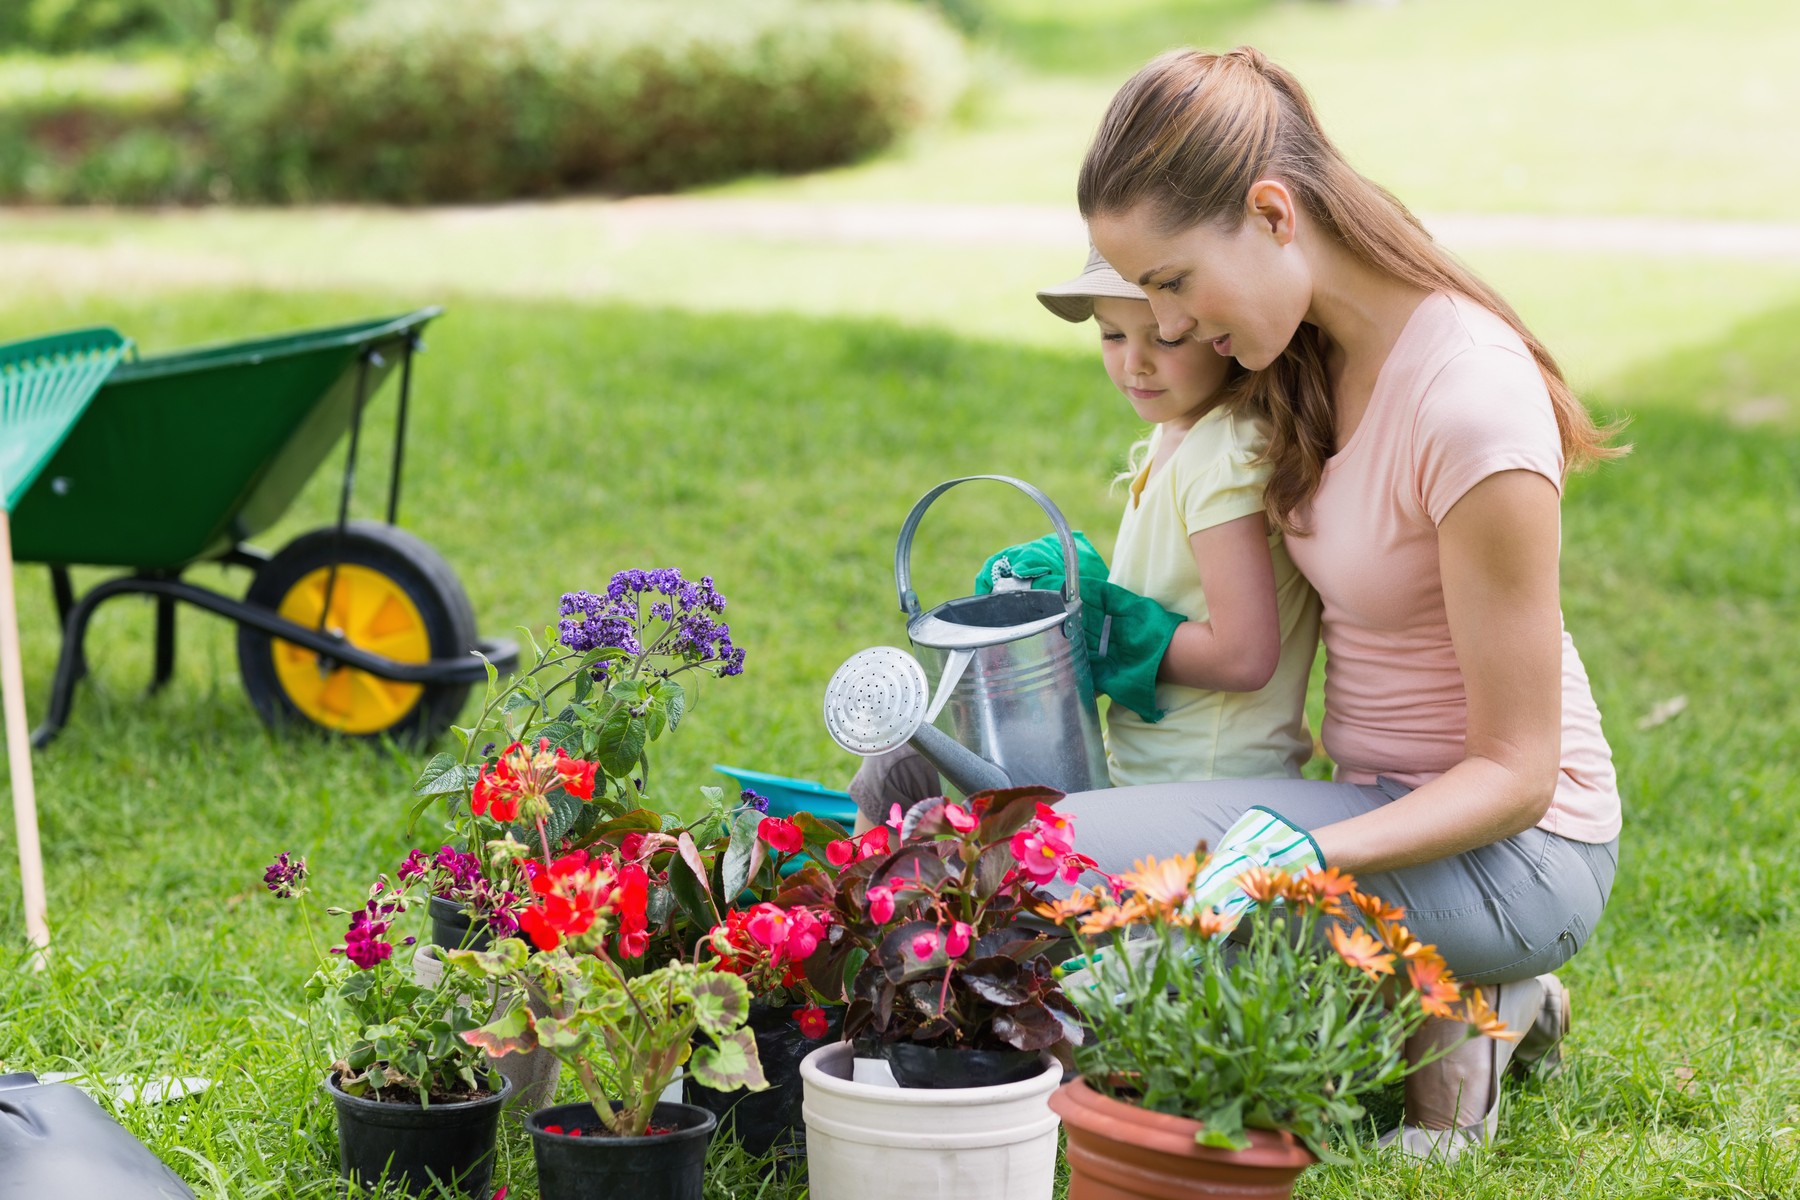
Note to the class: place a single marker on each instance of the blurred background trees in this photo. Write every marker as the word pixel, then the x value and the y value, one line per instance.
pixel 185 101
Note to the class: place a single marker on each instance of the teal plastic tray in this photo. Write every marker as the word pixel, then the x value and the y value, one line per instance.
pixel 789 796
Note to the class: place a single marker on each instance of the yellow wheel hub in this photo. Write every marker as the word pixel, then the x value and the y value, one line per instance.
pixel 373 613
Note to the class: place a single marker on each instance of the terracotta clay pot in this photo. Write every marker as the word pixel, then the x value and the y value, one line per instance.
pixel 1118 1151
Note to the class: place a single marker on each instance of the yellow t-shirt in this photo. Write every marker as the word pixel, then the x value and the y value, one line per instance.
pixel 1211 478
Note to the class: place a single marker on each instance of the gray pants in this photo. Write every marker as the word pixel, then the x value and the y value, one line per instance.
pixel 1511 910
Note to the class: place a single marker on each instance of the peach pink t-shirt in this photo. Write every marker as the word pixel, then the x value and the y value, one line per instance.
pixel 1458 399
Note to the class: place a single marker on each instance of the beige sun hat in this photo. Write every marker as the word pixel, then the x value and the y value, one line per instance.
pixel 1074 300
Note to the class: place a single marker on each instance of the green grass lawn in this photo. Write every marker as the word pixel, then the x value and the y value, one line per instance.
pixel 779 453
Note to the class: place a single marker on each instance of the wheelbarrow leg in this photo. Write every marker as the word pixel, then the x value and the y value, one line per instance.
pixel 71 663
pixel 165 643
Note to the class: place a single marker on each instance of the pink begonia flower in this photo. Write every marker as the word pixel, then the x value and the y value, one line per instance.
pixel 960 818
pixel 881 905
pixel 956 942
pixel 925 945
pixel 1063 826
pixel 896 816
pixel 1038 856
pixel 803 935
pixel 840 853
pixel 770 926
pixel 874 842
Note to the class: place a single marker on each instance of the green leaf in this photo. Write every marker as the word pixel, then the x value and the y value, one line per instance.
pixel 729 1065
pixel 443 765
pixel 691 894
pixel 740 852
pixel 560 1037
pixel 620 743
pixel 509 1033
pixel 671 699
pixel 502 958
pixel 721 1002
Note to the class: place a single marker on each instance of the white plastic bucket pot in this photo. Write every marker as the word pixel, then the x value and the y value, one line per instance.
pixel 867 1142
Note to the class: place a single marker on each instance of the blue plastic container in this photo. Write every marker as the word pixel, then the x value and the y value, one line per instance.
pixel 790 796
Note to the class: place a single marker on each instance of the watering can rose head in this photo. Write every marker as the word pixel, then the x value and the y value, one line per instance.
pixel 934 941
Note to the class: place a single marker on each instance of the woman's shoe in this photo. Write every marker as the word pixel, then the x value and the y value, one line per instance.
pixel 1442 1117
pixel 1539 1052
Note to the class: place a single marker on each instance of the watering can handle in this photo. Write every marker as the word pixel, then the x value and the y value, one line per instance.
pixel 1071 590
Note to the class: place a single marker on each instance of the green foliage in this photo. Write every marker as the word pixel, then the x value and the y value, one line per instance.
pixel 433 100
pixel 626 1036
pixel 60 26
pixel 1275 1033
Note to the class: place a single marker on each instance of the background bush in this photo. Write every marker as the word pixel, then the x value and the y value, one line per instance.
pixel 436 100
pixel 100 131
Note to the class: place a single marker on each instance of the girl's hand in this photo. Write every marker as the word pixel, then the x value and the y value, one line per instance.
pixel 1238 646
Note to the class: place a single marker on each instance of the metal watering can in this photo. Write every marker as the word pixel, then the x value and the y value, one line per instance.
pixel 1014 702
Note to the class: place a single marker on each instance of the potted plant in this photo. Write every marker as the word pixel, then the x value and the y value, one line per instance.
pixel 416 1104
pixel 1221 1068
pixel 625 1032
pixel 763 945
pixel 949 982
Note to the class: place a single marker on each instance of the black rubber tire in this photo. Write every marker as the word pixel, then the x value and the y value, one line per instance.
pixel 421 573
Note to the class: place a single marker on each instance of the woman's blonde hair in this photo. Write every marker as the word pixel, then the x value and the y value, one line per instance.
pixel 1189 135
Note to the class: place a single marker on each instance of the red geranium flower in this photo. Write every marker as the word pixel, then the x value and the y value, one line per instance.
pixel 576 776
pixel 812 1022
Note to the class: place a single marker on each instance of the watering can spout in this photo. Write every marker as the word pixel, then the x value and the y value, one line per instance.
pixel 966 770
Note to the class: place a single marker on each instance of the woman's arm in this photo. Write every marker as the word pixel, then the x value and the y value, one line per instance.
pixel 1497 551
pixel 1237 647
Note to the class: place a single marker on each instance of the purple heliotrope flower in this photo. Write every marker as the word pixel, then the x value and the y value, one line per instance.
pixel 652 612
pixel 753 799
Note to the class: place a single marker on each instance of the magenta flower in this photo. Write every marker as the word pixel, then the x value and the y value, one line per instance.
pixel 286 876
pixel 957 941
pixel 925 945
pixel 881 905
pixel 960 818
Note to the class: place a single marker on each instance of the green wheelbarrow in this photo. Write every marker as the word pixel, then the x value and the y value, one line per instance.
pixel 358 628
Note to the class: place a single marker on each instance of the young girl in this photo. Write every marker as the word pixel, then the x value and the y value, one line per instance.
pixel 1194 538
pixel 1232 684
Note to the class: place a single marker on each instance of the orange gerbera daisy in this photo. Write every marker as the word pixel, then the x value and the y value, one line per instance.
pixel 1375 908
pixel 1205 922
pixel 1437 991
pixel 1113 916
pixel 1070 907
pixel 1265 884
pixel 1162 884
pixel 1479 1013
pixel 1325 889
pixel 1361 951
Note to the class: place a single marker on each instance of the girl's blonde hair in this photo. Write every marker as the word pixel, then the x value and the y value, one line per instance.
pixel 1189 135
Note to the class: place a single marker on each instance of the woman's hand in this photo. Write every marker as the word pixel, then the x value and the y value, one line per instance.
pixel 1497 552
pixel 1238 646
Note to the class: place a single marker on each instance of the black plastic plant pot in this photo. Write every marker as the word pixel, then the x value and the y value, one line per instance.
pixel 453 928
pixel 771 1118
pixel 416 1148
pixel 668 1166
pixel 917 1066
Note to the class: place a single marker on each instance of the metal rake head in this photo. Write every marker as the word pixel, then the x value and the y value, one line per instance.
pixel 876 700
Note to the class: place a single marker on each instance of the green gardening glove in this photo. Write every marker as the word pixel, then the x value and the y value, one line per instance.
pixel 1260 838
pixel 1127 634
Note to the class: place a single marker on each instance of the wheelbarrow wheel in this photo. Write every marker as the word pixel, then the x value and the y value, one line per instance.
pixel 392 595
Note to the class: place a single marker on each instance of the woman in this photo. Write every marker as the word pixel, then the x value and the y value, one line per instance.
pixel 1420 435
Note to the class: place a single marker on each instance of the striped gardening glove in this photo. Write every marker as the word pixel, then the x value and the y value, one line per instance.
pixel 1260 838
